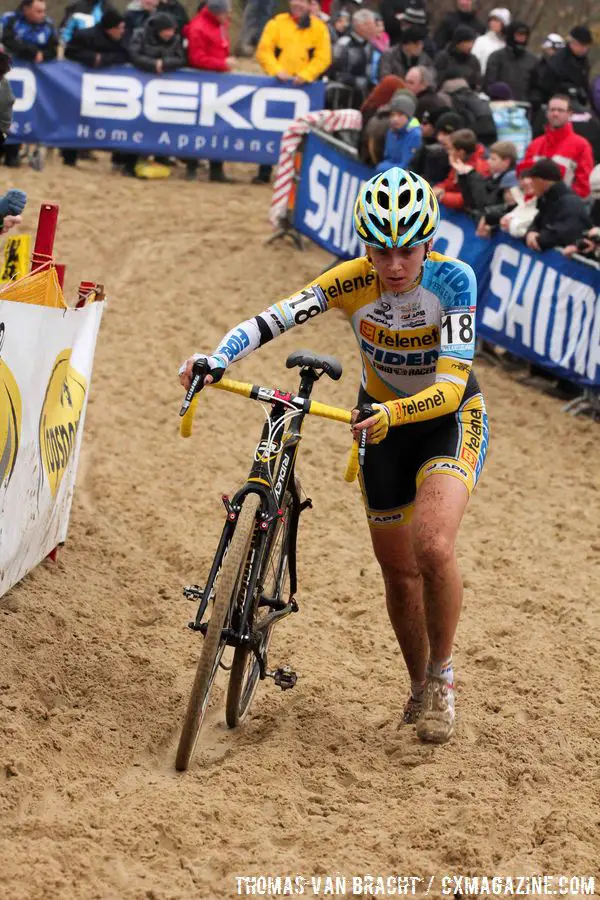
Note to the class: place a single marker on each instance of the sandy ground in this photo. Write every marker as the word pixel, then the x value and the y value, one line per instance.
pixel 96 660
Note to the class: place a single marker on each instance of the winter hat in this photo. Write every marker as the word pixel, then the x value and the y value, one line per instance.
pixel 501 13
pixel 582 34
pixel 546 169
pixel 449 122
pixel 412 34
pixel 216 7
pixel 403 102
pixel 414 15
pixel 500 90
pixel 110 18
pixel 463 33
pixel 162 20
pixel 453 84
pixel 553 42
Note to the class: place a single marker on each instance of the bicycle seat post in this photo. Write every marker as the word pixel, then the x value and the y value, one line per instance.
pixel 308 376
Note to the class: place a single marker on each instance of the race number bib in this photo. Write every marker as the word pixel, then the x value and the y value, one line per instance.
pixel 458 331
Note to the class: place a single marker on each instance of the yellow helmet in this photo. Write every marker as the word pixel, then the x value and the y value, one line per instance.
pixel 396 208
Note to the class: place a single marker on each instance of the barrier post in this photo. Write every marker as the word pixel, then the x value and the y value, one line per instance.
pixel 44 238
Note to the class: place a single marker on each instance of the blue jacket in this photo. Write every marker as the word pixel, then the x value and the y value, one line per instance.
pixel 400 146
pixel 24 40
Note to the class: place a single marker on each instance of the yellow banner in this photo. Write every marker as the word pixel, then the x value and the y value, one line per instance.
pixel 16 258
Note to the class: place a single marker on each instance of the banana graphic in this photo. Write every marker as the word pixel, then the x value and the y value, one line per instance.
pixel 10 418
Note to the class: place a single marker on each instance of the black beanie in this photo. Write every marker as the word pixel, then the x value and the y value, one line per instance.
pixel 111 18
pixel 463 33
pixel 162 20
pixel 582 34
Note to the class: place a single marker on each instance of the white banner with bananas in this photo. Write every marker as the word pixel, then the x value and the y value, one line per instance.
pixel 46 357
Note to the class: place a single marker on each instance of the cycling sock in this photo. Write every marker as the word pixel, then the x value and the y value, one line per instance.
pixel 443 669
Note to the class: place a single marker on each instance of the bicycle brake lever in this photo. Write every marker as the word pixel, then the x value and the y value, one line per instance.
pixel 199 370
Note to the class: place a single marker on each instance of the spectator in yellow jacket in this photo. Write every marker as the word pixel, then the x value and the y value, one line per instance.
pixel 294 47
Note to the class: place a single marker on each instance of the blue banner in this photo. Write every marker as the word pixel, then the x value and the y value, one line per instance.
pixel 543 307
pixel 186 113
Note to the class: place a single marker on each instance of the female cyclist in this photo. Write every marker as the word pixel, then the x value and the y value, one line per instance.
pixel 413 313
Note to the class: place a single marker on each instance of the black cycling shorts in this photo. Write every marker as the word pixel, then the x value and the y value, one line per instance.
pixel 454 444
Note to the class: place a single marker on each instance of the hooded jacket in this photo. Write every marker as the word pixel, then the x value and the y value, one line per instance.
pixel 300 48
pixel 562 71
pixel 25 40
pixel 208 42
pixel 561 219
pixel 513 64
pixel 572 152
pixel 450 23
pixel 146 48
pixel 461 65
pixel 475 111
pixel 87 43
pixel 452 197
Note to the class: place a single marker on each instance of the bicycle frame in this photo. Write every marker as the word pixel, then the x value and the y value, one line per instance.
pixel 279 442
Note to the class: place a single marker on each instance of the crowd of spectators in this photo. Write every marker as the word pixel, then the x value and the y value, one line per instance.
pixel 485 116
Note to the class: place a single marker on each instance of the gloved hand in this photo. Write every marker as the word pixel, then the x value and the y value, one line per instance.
pixel 215 364
pixel 12 203
pixel 377 425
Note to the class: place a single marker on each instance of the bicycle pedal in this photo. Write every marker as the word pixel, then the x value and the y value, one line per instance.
pixel 284 677
pixel 193 592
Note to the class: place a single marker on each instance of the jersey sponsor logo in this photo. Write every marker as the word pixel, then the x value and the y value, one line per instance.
pixel 476 436
pixel 386 518
pixel 453 283
pixel 416 338
pixel 348 285
pixel 469 457
pixel 413 407
pixel 303 306
pixel 237 342
pixel 445 468
pixel 380 357
pixel 280 325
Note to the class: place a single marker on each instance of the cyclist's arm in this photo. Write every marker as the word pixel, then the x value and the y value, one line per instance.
pixel 319 296
pixel 457 348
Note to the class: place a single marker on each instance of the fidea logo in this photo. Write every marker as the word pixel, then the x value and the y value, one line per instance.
pixel 10 418
pixel 60 416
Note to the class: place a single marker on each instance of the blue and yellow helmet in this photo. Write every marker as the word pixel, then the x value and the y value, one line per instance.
pixel 396 209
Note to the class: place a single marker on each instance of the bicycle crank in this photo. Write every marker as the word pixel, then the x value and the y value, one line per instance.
pixel 284 677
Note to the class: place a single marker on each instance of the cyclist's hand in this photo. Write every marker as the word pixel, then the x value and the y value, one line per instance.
pixel 185 371
pixel 377 425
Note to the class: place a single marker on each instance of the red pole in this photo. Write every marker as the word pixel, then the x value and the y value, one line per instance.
pixel 60 274
pixel 44 239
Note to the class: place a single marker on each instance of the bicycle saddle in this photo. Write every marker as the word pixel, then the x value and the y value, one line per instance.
pixel 329 364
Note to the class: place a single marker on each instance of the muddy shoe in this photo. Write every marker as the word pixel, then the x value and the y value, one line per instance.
pixel 436 722
pixel 412 711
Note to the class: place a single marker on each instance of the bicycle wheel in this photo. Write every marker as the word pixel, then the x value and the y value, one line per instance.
pixel 245 670
pixel 227 587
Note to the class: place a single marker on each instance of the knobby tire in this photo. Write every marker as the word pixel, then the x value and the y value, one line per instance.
pixel 213 645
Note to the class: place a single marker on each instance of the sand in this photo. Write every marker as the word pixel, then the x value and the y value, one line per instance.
pixel 96 660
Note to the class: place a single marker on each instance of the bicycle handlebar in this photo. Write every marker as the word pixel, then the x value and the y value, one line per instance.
pixel 255 392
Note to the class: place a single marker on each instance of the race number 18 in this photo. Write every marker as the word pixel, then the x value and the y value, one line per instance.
pixel 457 328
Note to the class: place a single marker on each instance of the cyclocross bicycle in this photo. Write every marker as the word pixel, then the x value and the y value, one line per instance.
pixel 253 580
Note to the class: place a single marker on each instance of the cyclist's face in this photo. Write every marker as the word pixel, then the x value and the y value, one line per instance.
pixel 398 267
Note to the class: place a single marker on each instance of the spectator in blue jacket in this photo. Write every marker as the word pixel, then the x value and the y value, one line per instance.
pixel 79 15
pixel 404 135
pixel 28 34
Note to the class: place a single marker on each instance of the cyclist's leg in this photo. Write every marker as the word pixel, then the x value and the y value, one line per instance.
pixel 403 595
pixel 444 484
pixel 388 484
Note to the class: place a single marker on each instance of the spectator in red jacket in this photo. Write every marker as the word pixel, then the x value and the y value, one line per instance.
pixel 208 48
pixel 572 152
pixel 463 149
